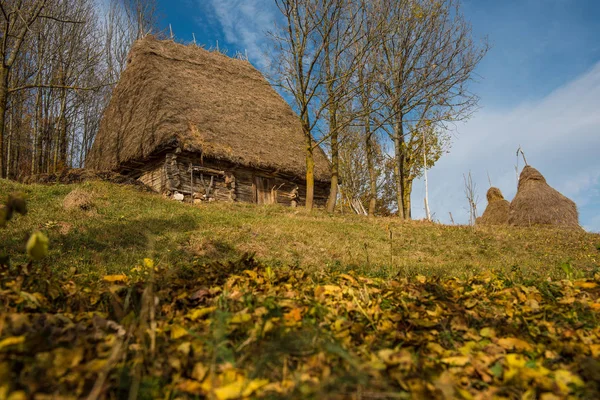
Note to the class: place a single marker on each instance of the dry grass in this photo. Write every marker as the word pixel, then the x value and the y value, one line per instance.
pixel 496 212
pixel 536 203
pixel 79 199
pixel 131 224
pixel 171 95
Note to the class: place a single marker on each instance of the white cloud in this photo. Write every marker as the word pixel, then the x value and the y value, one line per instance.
pixel 560 135
pixel 244 24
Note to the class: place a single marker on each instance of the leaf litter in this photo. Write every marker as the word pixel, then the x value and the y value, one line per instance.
pixel 243 330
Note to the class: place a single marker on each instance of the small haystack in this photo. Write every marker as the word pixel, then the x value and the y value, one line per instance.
pixel 79 199
pixel 496 212
pixel 536 203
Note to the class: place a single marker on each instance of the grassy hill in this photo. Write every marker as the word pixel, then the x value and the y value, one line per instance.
pixel 123 225
pixel 144 297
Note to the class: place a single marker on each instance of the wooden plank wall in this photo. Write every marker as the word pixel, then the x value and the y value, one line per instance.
pixel 173 174
pixel 155 176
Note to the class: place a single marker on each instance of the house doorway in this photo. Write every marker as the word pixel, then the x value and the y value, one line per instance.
pixel 263 190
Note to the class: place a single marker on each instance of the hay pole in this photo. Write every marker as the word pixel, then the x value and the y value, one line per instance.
pixel 194 37
pixel 520 150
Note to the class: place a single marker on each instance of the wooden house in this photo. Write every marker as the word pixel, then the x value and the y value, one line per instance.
pixel 184 119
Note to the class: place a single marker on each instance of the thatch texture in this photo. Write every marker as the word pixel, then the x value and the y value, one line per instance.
pixel 496 212
pixel 171 95
pixel 536 203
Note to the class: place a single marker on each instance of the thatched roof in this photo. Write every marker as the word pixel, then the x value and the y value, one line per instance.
pixel 171 95
pixel 496 212
pixel 536 203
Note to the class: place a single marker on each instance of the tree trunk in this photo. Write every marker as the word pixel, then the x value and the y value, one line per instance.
pixel 3 106
pixel 372 173
pixel 399 172
pixel 310 178
pixel 406 191
pixel 310 168
pixel 333 192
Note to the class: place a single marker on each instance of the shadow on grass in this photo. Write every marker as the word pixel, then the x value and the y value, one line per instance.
pixel 121 244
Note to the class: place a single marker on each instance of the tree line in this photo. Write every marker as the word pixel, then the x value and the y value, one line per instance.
pixel 60 60
pixel 379 82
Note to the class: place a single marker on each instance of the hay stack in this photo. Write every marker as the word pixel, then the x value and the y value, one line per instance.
pixel 79 199
pixel 536 203
pixel 496 212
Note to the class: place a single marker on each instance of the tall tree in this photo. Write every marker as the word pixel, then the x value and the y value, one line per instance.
pixel 300 45
pixel 59 61
pixel 17 20
pixel 428 59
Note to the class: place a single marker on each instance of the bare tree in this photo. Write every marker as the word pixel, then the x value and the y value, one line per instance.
pixel 56 77
pixel 300 45
pixel 428 60
pixel 470 190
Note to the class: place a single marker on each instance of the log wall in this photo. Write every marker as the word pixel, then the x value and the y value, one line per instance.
pixel 248 185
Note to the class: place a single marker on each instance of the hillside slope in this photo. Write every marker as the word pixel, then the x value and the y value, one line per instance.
pixel 123 225
pixel 142 297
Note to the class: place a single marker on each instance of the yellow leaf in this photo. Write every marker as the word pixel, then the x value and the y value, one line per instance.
pixel 241 317
pixel 395 357
pixel 115 278
pixel 148 263
pixel 269 325
pixel 514 343
pixel 190 386
pixel 348 278
pixel 470 303
pixel 200 312
pixel 487 333
pixel 240 388
pixel 18 395
pixel 435 347
pixel 37 246
pixel 456 361
pixel 514 363
pixel 586 285
pixel 11 341
pixel 565 378
pixel 178 331
pixel 199 372
pixel 595 349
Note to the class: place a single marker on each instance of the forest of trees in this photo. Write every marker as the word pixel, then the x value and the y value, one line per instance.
pixel 60 61
pixel 376 81
pixel 379 81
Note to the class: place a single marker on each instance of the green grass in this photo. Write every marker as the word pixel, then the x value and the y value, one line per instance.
pixel 324 311
pixel 127 224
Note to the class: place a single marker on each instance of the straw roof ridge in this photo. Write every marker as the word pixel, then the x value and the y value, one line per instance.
pixel 537 203
pixel 171 95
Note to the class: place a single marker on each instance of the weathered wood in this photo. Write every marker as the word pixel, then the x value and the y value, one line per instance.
pixel 184 173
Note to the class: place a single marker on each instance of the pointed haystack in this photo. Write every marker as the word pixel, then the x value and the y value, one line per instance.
pixel 496 212
pixel 536 203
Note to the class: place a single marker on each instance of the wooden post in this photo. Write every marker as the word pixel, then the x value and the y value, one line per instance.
pixel 192 182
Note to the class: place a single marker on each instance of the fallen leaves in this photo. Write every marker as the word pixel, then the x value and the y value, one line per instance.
pixel 244 331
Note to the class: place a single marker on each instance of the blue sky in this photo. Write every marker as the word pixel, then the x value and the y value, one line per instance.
pixel 539 87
